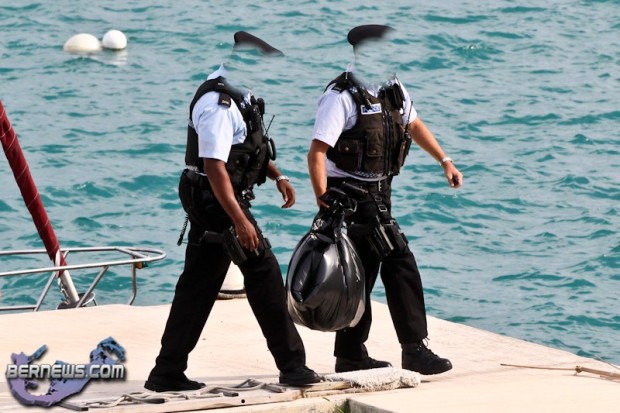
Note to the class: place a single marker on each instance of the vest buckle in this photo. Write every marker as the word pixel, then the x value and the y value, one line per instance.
pixel 381 185
pixel 248 194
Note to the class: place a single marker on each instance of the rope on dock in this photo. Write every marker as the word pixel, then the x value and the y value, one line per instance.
pixel 577 369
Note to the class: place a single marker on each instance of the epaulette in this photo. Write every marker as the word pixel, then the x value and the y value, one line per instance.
pixel 339 87
pixel 225 100
pixel 339 84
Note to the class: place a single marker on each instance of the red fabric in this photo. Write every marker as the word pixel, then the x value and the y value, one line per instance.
pixel 26 185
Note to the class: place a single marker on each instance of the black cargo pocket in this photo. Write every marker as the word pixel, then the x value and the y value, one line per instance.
pixel 237 170
pixel 348 154
pixel 374 153
pixel 259 158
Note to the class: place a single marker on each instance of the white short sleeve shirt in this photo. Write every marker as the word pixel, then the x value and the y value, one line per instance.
pixel 337 112
pixel 218 126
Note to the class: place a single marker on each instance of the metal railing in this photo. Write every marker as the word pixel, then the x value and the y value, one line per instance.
pixel 140 257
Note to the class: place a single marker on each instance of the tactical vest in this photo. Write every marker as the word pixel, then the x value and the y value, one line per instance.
pixel 377 145
pixel 248 161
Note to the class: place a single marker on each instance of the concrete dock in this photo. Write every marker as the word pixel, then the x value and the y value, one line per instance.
pixel 232 349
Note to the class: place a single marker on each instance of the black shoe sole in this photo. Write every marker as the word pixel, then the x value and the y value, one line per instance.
pixel 163 388
pixel 300 382
pixel 346 366
pixel 346 370
pixel 431 373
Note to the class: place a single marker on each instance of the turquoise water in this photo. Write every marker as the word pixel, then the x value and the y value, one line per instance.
pixel 523 95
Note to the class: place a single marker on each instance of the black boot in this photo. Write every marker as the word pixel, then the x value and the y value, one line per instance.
pixel 418 357
pixel 300 376
pixel 176 383
pixel 343 365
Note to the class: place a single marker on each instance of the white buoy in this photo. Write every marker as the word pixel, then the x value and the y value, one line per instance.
pixel 233 284
pixel 82 43
pixel 115 40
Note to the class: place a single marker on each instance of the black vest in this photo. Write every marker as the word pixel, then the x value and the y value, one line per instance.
pixel 377 144
pixel 248 161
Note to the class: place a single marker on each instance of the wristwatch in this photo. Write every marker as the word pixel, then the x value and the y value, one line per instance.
pixel 281 178
pixel 445 159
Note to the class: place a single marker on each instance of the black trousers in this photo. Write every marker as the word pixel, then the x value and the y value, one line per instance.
pixel 205 269
pixel 401 279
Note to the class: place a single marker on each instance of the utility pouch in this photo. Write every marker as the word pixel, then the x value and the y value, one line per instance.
pixel 237 165
pixel 383 238
pixel 403 151
pixel 379 240
pixel 256 119
pixel 346 154
pixel 396 236
pixel 186 193
pixel 197 200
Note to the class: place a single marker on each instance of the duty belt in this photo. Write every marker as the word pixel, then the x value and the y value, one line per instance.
pixel 371 186
pixel 202 181
pixel 197 179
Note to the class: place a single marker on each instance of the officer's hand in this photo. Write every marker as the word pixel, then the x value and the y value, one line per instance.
pixel 247 234
pixel 287 191
pixel 455 178
pixel 320 203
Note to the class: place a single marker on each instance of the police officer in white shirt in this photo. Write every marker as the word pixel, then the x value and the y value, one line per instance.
pixel 228 153
pixel 364 126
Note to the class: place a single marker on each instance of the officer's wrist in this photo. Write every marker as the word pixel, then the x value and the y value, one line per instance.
pixel 445 160
pixel 281 178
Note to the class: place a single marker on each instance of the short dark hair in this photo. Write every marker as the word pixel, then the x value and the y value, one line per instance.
pixel 360 34
pixel 244 38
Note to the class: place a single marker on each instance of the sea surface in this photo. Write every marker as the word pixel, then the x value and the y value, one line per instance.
pixel 524 96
